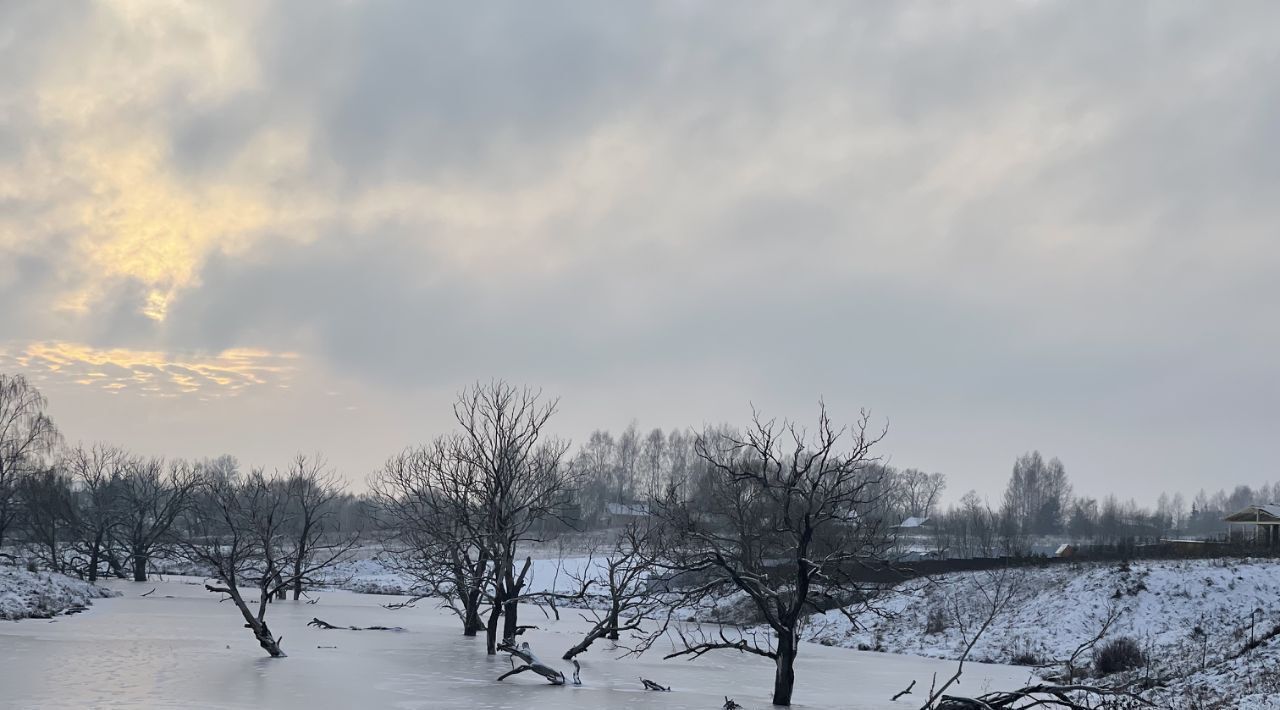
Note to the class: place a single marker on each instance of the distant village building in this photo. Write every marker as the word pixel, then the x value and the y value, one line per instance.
pixel 1265 522
pixel 622 514
pixel 914 524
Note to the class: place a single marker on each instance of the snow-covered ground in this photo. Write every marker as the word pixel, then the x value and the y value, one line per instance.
pixel 43 595
pixel 179 647
pixel 1184 615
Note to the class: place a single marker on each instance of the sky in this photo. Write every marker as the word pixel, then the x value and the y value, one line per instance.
pixel 271 227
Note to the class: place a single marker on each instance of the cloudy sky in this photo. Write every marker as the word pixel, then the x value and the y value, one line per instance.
pixel 270 227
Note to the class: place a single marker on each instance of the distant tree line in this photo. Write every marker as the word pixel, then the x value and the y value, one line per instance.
pixel 95 510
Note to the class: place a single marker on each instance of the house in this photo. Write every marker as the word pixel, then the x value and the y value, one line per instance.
pixel 619 515
pixel 914 524
pixel 1265 522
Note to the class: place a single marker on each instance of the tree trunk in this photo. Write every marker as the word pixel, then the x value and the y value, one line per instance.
pixel 139 568
pixel 114 563
pixel 511 619
pixel 93 563
pixel 613 622
pixel 785 677
pixel 491 630
pixel 297 588
pixel 471 622
pixel 259 627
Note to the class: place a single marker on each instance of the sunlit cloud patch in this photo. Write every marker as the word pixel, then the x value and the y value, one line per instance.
pixel 149 373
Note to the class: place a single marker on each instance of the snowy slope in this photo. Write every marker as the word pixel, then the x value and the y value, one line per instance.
pixel 1248 682
pixel 26 594
pixel 1183 614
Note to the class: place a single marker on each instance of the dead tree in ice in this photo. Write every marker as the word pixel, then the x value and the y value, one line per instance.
pixel 428 501
pixel 785 518
pixel 625 601
pixel 461 508
pixel 237 530
pixel 522 485
pixel 531 663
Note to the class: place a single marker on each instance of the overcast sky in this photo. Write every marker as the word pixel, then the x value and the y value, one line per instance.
pixel 269 227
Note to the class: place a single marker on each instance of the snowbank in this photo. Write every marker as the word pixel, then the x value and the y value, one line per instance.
pixel 1185 615
pixel 42 595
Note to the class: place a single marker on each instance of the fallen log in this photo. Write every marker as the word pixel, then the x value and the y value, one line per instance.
pixel 531 663
pixel 322 624
pixel 650 685
pixel 1067 697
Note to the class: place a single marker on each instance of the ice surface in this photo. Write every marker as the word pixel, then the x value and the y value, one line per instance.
pixel 180 647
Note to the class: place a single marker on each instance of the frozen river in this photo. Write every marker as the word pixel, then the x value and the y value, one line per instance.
pixel 180 648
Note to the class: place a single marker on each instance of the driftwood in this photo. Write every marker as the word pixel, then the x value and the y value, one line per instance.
pixel 322 624
pixel 153 591
pixel 650 685
pixel 531 663
pixel 1067 697
pixel 905 691
pixel 730 705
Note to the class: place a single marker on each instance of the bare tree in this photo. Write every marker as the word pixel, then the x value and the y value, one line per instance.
pixel 27 438
pixel 316 542
pixel 152 496
pixel 48 514
pixel 627 599
pixel 920 491
pixel 519 481
pixel 98 473
pixel 790 517
pixel 429 501
pixel 236 530
pixel 973 614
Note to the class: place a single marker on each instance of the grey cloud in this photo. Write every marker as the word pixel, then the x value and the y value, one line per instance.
pixel 904 205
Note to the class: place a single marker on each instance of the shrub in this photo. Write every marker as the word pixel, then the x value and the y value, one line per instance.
pixel 1025 657
pixel 937 621
pixel 1117 655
